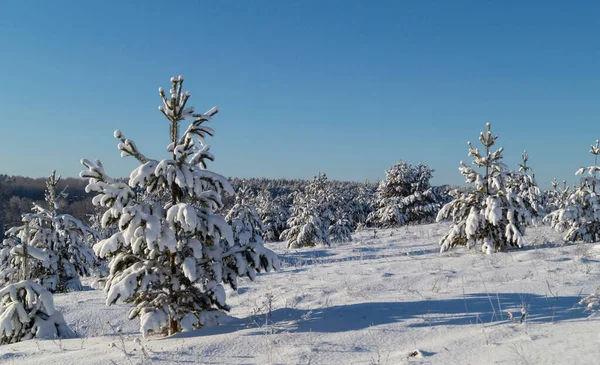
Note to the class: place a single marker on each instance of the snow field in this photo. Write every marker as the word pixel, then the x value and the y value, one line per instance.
pixel 375 300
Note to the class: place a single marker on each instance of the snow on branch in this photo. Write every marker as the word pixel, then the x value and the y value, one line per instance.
pixel 27 311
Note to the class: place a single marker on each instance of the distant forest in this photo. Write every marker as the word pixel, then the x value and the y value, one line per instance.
pixel 18 193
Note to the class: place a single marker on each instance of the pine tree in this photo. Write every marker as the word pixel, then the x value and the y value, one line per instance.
pixel 361 206
pixel 557 197
pixel 171 258
pixel 27 311
pixel 490 214
pixel 341 230
pixel 405 196
pixel 49 248
pixel 311 216
pixel 104 232
pixel 306 227
pixel 273 213
pixel 248 233
pixel 342 205
pixel 524 185
pixel 95 219
pixel 580 215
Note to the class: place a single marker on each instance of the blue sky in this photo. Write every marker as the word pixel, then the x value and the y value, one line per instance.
pixel 344 87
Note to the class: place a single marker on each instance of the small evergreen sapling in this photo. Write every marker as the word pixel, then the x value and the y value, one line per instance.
pixel 404 197
pixel 579 216
pixel 273 213
pixel 340 225
pixel 49 248
pixel 171 256
pixel 557 197
pixel 523 184
pixel 27 311
pixel 341 230
pixel 306 227
pixel 245 222
pixel 362 205
pixel 489 214
pixel 311 215
pixel 248 233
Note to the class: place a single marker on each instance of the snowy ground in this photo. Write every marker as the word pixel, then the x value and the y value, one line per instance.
pixel 372 301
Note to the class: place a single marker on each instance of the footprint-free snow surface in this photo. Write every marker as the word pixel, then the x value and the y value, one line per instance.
pixel 388 297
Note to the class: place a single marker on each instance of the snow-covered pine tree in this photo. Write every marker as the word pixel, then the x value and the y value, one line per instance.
pixel 523 184
pixel 104 232
pixel 273 213
pixel 248 233
pixel 489 214
pixel 49 248
pixel 557 197
pixel 95 220
pixel 311 215
pixel 27 311
pixel 341 206
pixel 306 227
pixel 171 259
pixel 341 230
pixel 580 215
pixel 405 196
pixel 361 206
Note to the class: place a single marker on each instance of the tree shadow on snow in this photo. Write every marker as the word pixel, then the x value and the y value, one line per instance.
pixel 529 246
pixel 300 258
pixel 292 260
pixel 474 308
pixel 325 256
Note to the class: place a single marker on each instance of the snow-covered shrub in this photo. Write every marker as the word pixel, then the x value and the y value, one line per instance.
pixel 579 217
pixel 311 215
pixel 488 214
pixel 49 248
pixel 405 196
pixel 171 258
pixel 524 185
pixel 27 311
pixel 591 302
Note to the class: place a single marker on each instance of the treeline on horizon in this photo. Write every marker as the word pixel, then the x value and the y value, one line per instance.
pixel 18 193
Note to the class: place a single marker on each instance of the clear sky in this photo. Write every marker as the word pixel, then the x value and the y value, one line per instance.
pixel 342 87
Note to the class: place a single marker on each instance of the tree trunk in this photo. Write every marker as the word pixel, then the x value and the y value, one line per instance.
pixel 175 199
pixel 25 253
pixel 173 326
pixel 487 171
